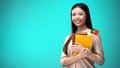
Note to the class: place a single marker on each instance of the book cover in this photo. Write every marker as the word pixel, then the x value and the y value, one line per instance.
pixel 85 40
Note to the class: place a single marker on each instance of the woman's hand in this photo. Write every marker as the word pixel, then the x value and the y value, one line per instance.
pixel 85 52
pixel 76 47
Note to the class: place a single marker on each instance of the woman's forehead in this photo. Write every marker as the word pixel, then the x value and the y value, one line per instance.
pixel 77 9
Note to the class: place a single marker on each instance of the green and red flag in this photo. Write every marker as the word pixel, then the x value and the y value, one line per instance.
pixel 94 31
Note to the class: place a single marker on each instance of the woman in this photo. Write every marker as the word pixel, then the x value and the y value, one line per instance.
pixel 81 23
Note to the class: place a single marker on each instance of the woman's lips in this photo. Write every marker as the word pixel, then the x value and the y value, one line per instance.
pixel 78 22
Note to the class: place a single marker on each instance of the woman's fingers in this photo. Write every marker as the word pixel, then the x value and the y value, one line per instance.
pixel 77 43
pixel 76 48
pixel 86 50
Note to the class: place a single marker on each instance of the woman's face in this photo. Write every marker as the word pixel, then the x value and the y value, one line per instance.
pixel 78 16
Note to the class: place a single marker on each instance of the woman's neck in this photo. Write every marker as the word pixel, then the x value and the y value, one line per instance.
pixel 81 29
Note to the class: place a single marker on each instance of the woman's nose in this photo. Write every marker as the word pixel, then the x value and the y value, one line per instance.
pixel 77 17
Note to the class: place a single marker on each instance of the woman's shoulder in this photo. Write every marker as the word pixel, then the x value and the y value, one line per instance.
pixel 68 36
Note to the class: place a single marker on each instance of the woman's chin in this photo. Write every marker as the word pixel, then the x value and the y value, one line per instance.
pixel 78 24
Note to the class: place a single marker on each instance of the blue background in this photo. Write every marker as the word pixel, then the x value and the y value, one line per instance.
pixel 32 32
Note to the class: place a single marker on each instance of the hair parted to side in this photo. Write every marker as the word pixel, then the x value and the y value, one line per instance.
pixel 88 22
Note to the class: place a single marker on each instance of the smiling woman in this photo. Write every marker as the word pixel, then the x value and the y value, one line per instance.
pixel 78 16
pixel 32 32
pixel 81 24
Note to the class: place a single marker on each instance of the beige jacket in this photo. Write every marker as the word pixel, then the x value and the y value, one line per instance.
pixel 85 62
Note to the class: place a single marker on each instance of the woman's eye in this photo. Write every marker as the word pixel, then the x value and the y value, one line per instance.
pixel 80 14
pixel 73 14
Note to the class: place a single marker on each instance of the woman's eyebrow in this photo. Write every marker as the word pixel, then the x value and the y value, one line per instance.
pixel 78 12
pixel 81 12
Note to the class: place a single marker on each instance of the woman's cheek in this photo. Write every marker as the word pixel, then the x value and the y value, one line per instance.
pixel 73 19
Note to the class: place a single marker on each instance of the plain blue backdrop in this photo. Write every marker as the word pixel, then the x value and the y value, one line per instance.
pixel 32 32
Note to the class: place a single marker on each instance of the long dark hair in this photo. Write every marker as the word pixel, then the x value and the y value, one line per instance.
pixel 88 22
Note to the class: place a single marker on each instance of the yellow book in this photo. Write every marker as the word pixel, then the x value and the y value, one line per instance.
pixel 85 40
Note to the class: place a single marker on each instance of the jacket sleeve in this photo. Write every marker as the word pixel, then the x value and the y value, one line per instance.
pixel 98 50
pixel 63 55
